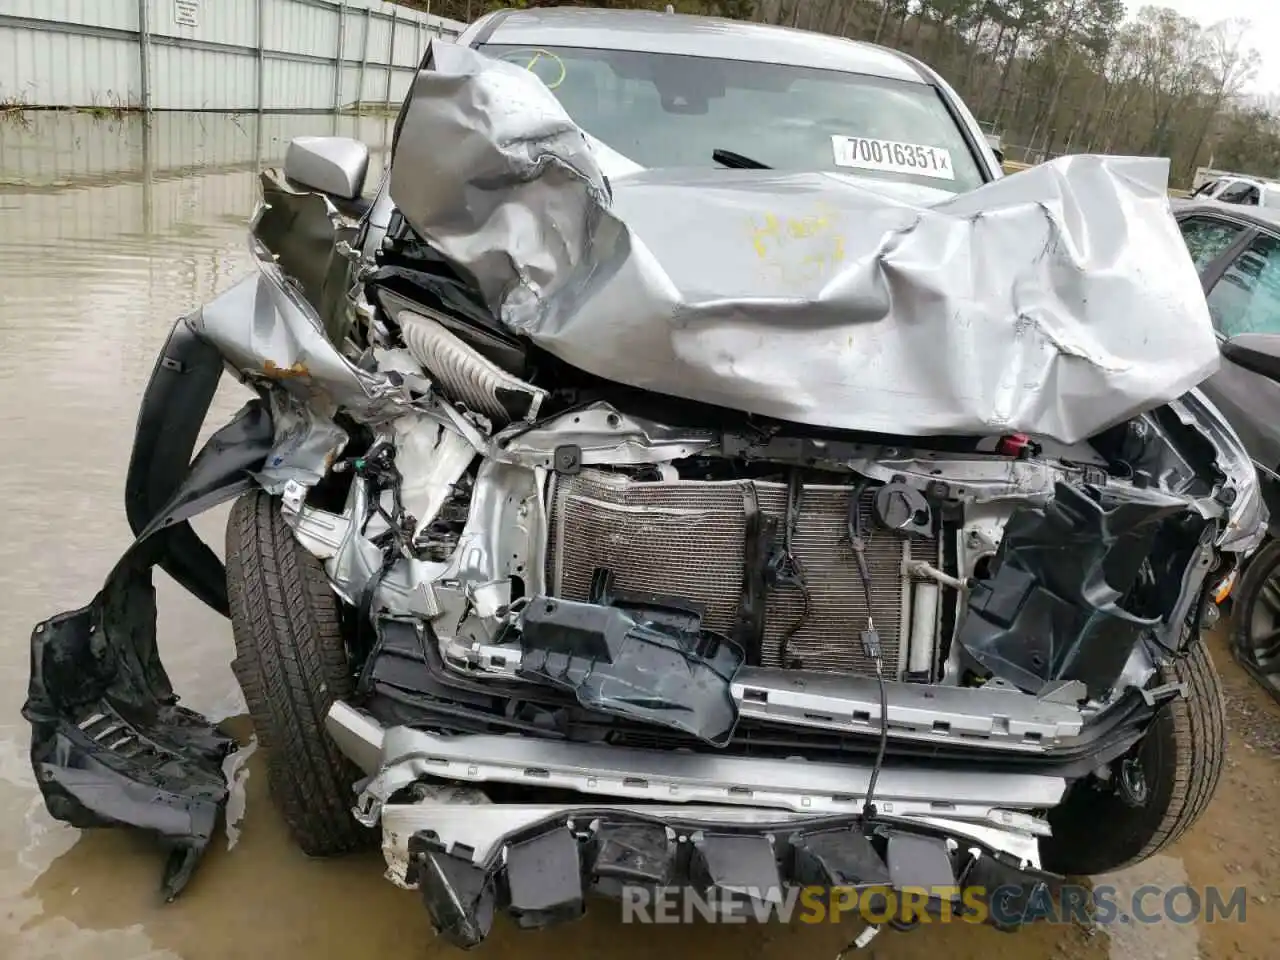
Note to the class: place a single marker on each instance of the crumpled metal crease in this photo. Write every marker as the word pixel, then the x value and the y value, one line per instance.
pixel 275 338
pixel 1057 302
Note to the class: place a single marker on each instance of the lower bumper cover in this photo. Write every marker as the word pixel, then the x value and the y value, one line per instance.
pixel 538 864
pixel 754 829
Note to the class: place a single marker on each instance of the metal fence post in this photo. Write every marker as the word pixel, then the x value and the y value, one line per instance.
pixel 144 53
pixel 148 174
pixel 391 59
pixel 337 57
pixel 262 55
pixel 364 57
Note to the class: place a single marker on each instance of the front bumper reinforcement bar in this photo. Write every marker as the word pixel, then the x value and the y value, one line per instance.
pixel 398 756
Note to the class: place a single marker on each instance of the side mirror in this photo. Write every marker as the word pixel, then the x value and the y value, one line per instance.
pixel 337 166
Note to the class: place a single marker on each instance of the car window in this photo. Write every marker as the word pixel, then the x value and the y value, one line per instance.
pixel 1207 239
pixel 1247 297
pixel 1237 192
pixel 667 110
pixel 1206 188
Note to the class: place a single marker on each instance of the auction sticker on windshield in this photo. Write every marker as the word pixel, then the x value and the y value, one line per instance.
pixel 893 156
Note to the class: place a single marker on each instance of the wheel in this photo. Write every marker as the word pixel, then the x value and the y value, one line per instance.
pixel 291 665
pixel 1158 790
pixel 1256 640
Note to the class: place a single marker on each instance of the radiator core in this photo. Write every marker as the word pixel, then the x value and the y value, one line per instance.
pixel 687 538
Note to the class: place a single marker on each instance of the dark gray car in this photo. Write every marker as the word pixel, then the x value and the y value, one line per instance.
pixel 1236 250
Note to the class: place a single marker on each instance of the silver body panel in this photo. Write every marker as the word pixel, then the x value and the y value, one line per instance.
pixel 332 165
pixel 404 755
pixel 1056 303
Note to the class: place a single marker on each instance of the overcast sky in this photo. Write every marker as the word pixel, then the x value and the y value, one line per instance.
pixel 1265 16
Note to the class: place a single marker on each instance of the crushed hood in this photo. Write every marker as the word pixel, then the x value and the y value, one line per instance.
pixel 1057 302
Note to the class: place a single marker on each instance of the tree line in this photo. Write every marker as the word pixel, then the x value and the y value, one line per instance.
pixel 1050 76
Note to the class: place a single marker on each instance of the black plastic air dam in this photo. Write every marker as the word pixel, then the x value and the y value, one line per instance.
pixel 411 686
pixel 1067 597
pixel 543 875
pixel 644 658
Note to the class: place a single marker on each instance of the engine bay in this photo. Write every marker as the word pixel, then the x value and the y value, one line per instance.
pixel 723 578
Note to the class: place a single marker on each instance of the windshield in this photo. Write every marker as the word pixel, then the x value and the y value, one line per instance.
pixel 666 110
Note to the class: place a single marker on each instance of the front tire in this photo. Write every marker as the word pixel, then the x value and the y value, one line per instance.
pixel 1099 829
pixel 291 664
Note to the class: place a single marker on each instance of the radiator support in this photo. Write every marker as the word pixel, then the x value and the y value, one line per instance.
pixel 687 538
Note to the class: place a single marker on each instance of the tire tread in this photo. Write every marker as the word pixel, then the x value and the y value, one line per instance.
pixel 1200 727
pixel 1184 753
pixel 291 666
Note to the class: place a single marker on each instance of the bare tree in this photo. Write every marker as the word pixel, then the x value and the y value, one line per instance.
pixel 1233 63
pixel 1049 74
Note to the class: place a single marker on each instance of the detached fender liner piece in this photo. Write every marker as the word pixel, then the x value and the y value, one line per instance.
pixel 109 744
pixel 173 410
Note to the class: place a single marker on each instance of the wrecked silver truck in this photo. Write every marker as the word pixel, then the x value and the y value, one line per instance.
pixel 605 524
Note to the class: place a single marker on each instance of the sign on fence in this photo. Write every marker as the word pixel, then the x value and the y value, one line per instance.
pixel 186 13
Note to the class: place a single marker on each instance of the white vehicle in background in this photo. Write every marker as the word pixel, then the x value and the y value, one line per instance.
pixel 1246 191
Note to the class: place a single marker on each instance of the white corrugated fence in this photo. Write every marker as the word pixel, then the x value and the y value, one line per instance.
pixel 223 55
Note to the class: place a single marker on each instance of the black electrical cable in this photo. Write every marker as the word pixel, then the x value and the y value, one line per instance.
pixel 793 571
pixel 378 469
pixel 369 650
pixel 868 804
pixel 858 537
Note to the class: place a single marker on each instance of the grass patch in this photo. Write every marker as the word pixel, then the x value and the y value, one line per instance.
pixel 14 109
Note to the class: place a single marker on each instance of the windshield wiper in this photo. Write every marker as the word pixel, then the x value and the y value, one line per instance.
pixel 737 160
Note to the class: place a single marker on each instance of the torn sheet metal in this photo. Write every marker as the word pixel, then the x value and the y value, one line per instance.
pixel 265 330
pixel 1056 302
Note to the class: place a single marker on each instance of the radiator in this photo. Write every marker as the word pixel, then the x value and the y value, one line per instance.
pixel 687 538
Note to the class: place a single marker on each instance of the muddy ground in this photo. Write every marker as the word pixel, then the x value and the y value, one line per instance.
pixel 105 237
